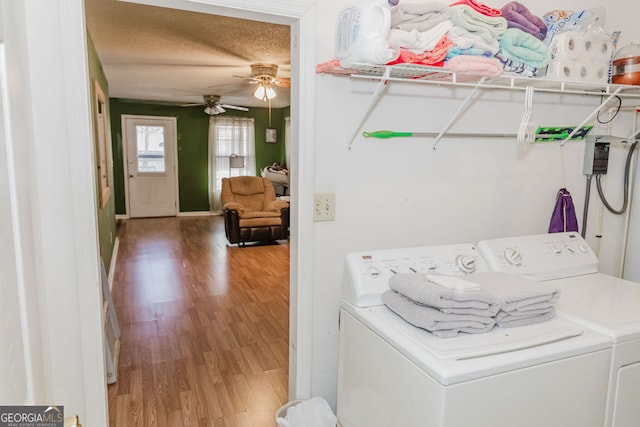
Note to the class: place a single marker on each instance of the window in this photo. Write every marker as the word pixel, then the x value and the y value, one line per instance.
pixel 150 144
pixel 229 136
pixel 101 124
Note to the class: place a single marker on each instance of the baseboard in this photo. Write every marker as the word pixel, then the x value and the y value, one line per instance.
pixel 122 216
pixel 198 213
pixel 112 266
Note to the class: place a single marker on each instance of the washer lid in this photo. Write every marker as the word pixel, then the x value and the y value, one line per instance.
pixel 604 303
pixel 498 341
pixel 472 356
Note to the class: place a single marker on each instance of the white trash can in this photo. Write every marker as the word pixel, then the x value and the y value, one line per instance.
pixel 314 412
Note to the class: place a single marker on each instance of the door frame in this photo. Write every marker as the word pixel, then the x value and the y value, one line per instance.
pixel 60 176
pixel 125 157
pixel 301 16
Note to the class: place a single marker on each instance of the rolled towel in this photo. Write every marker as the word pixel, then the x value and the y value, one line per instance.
pixel 441 324
pixel 489 28
pixel 419 16
pixel 479 7
pixel 471 64
pixel 519 46
pixel 518 16
pixel 423 291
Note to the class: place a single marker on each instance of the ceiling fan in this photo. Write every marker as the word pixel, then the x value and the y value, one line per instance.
pixel 213 106
pixel 264 76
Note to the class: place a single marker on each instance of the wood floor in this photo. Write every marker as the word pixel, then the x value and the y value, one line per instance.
pixel 204 326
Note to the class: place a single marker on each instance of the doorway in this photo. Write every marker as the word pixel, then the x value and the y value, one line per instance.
pixel 132 149
pixel 149 156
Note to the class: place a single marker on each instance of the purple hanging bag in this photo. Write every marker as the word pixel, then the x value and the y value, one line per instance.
pixel 564 214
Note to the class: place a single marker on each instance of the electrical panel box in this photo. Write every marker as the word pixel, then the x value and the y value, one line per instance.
pixel 596 156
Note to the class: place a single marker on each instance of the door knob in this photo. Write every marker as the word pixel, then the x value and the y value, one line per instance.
pixel 130 176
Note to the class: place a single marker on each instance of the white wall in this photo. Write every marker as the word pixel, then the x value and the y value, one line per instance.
pixel 53 213
pixel 400 193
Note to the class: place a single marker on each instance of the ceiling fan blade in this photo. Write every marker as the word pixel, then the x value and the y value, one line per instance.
pixel 283 82
pixel 234 107
pixel 244 77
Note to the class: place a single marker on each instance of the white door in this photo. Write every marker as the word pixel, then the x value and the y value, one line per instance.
pixel 150 165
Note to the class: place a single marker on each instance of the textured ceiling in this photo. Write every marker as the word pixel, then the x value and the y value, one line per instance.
pixel 159 54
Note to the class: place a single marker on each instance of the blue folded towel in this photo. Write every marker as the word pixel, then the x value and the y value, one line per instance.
pixel 522 47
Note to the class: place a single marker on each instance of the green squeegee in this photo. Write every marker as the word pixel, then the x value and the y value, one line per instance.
pixel 543 134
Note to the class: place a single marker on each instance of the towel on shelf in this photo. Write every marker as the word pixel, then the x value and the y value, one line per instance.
pixel 479 7
pixel 472 64
pixel 465 39
pixel 518 16
pixel 488 28
pixel 514 319
pixel 433 57
pixel 419 16
pixel 515 67
pixel 472 51
pixel 419 41
pixel 441 324
pixel 418 288
pixel 522 47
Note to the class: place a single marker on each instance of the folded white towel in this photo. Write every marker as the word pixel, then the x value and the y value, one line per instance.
pixel 489 28
pixel 516 293
pixel 420 16
pixel 419 41
pixel 512 319
pixel 450 301
pixel 440 324
pixel 465 39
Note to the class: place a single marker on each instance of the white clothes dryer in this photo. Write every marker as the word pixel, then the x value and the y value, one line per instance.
pixel 390 373
pixel 601 302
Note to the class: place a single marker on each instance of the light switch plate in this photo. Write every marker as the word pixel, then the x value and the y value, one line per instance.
pixel 324 207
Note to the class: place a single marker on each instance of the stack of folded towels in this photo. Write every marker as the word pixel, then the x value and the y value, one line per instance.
pixel 469 36
pixel 447 305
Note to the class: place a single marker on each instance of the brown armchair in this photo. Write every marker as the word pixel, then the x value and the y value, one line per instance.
pixel 251 211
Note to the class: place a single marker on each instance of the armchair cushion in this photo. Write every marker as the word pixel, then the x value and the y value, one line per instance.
pixel 233 206
pixel 276 205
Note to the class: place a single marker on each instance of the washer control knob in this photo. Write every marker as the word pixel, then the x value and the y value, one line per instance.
pixel 373 272
pixel 583 248
pixel 466 263
pixel 570 250
pixel 513 256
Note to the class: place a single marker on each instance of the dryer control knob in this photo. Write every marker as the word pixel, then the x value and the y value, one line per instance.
pixel 583 248
pixel 373 272
pixel 513 256
pixel 466 263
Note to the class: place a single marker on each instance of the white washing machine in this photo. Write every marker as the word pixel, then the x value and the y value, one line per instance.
pixel 601 302
pixel 390 373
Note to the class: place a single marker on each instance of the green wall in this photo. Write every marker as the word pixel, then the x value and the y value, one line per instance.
pixel 193 146
pixel 106 213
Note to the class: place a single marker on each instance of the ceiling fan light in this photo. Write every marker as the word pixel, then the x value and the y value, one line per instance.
pixel 270 92
pixel 260 92
pixel 209 110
